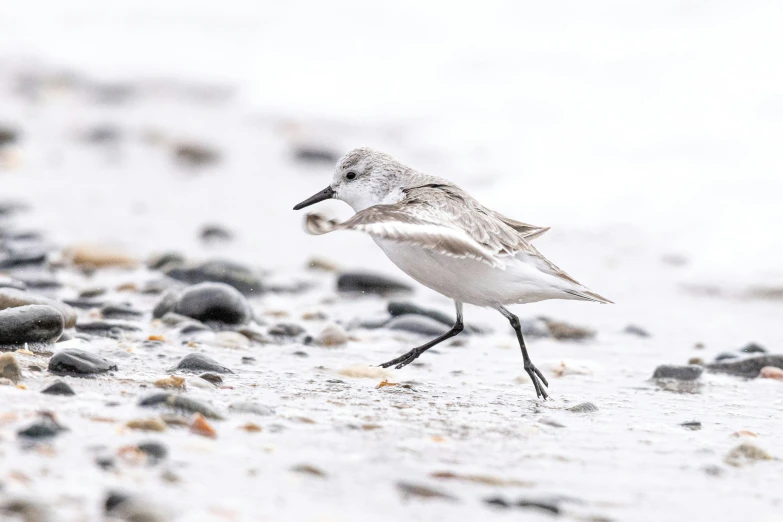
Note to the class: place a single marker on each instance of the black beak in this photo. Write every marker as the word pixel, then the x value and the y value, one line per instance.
pixel 326 193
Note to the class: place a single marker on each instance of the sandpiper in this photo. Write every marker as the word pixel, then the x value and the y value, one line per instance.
pixel 443 238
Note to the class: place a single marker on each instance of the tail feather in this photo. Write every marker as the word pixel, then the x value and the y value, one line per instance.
pixel 588 295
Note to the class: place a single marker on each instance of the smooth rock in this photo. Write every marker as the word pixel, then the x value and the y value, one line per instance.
pixel 73 361
pixel 58 388
pixel 211 378
pixel 563 331
pixel 584 407
pixel 771 372
pixel 13 298
pixel 418 324
pixel 9 368
pixel 45 427
pixel 155 451
pixel 215 234
pixel 309 154
pixel 34 325
pixel 746 453
pixel 332 335
pixel 638 331
pixel 690 372
pixel 251 407
pixel 195 155
pixel 218 271
pixel 367 282
pixel 753 348
pixel 180 403
pixel 691 425
pixel 208 303
pixel 99 256
pixel 198 362
pixel 167 259
pixel 286 330
pixel 120 311
pixel 110 329
pixel 22 258
pixel 748 367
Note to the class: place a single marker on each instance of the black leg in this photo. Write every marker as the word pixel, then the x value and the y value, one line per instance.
pixel 411 356
pixel 532 371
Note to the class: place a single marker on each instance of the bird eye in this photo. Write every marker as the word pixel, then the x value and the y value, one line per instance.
pixel 350 175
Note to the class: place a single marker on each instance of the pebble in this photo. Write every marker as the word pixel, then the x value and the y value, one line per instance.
pixel 365 372
pixel 409 490
pixel 119 506
pixel 120 311
pixel 309 469
pixel 22 258
pixel 195 155
pixel 215 234
pixel 155 451
pixel 31 324
pixel 160 261
pixel 218 271
pixel 332 335
pixel 150 424
pixel 690 372
pixel 13 298
pixel 563 331
pixel 287 330
pixel 691 425
pixel 749 367
pixel 638 331
pixel 399 308
pixel 746 453
pixel 545 505
pixel 229 339
pixel 99 256
pixel 9 368
pixel 366 282
pixel 197 363
pixel 73 361
pixel 111 329
pixel 58 388
pixel 252 407
pixel 7 282
pixel 771 372
pixel 208 303
pixel 8 136
pixel 172 381
pixel 211 378
pixel 200 426
pixel 418 324
pixel 45 427
pixel 753 348
pixel 180 403
pixel 26 510
pixel 585 407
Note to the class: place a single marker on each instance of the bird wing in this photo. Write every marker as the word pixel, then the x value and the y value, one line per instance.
pixel 442 218
pixel 528 231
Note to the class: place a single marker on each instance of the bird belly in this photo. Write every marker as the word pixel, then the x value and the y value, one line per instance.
pixel 468 280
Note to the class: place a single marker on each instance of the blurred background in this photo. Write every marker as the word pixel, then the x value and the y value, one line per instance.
pixel 647 135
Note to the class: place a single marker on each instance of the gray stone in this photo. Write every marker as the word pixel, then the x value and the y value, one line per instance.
pixel 218 271
pixel 58 388
pixel 208 303
pixel 690 372
pixel 748 367
pixel 584 407
pixel 418 324
pixel 180 403
pixel 366 282
pixel 34 325
pixel 197 362
pixel 13 298
pixel 73 361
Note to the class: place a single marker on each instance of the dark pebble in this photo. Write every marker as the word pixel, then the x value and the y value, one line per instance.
pixel 210 303
pixel 748 367
pixel 725 356
pixel 753 348
pixel 638 331
pixel 196 155
pixel 217 271
pixel 12 298
pixel 40 281
pixel 166 259
pixel 22 258
pixel 83 304
pixel 691 425
pixel 400 308
pixel 32 324
pixel 217 380
pixel 286 330
pixel 585 407
pixel 73 361
pixel 180 403
pixel 417 324
pixel 690 372
pixel 113 501
pixel 197 362
pixel 8 136
pixel 120 311
pixel 110 329
pixel 316 155
pixel 366 282
pixel 154 450
pixel 45 427
pixel 215 234
pixel 58 388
